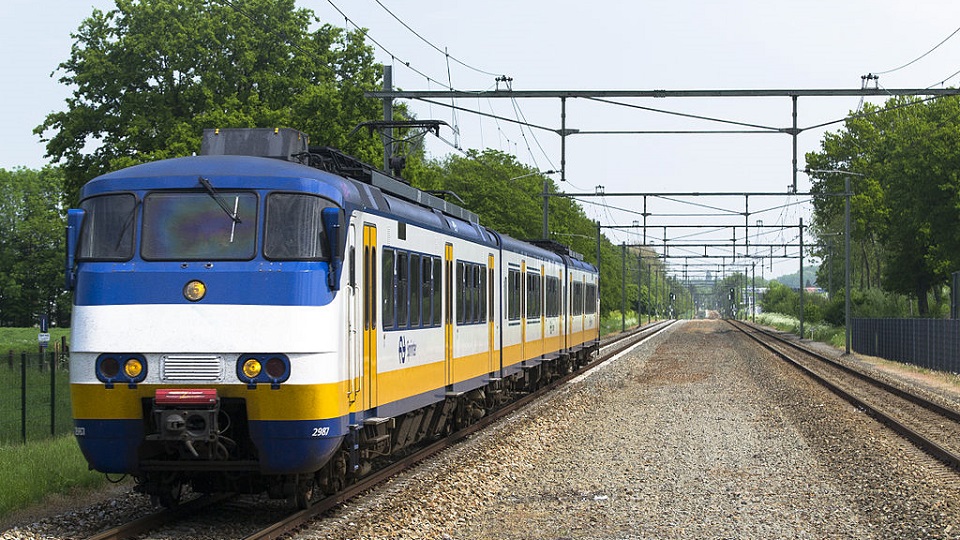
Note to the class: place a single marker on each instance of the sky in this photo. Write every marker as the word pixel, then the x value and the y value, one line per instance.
pixel 598 45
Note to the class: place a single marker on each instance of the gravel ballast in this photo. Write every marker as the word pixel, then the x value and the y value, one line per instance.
pixel 696 433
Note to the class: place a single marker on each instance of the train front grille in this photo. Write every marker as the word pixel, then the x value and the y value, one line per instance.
pixel 191 368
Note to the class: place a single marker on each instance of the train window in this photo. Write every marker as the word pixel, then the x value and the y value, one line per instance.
pixel 437 296
pixel 482 291
pixel 108 227
pixel 461 292
pixel 591 301
pixel 513 299
pixel 294 229
pixel 352 262
pixel 387 289
pixel 491 281
pixel 473 295
pixel 577 298
pixel 534 302
pixel 194 226
pixel 426 290
pixel 415 290
pixel 552 287
pixel 403 289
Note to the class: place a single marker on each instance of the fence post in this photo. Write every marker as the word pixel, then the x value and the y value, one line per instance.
pixel 53 394
pixel 10 359
pixel 23 397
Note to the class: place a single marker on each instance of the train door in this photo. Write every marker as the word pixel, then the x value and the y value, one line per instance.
pixel 448 312
pixel 491 329
pixel 354 347
pixel 369 377
pixel 523 310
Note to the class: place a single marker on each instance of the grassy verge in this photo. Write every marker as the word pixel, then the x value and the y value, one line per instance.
pixel 31 472
pixel 833 335
pixel 613 322
pixel 37 404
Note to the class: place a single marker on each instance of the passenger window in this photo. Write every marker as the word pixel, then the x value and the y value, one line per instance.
pixel 388 289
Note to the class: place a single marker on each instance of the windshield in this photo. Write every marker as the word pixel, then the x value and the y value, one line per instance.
pixel 195 226
pixel 108 227
pixel 294 228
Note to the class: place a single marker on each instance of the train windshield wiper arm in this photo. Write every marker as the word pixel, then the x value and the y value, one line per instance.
pixel 219 200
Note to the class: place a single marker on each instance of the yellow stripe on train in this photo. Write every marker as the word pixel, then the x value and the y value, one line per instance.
pixel 289 402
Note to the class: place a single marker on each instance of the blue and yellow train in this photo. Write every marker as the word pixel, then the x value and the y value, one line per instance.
pixel 272 317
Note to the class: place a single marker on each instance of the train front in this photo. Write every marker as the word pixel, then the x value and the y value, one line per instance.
pixel 206 331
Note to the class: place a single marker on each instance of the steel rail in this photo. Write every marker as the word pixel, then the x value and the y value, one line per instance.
pixel 158 519
pixel 296 520
pixel 888 418
pixel 614 346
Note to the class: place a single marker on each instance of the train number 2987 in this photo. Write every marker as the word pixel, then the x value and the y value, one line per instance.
pixel 321 431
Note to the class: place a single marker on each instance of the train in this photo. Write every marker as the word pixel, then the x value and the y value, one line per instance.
pixel 273 317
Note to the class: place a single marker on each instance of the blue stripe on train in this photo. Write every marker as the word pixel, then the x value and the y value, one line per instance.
pixel 285 447
pixel 252 283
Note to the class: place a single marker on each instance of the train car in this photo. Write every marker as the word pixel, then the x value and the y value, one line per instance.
pixel 273 317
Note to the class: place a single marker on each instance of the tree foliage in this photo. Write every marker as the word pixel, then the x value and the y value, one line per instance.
pixel 508 197
pixel 906 204
pixel 31 247
pixel 150 75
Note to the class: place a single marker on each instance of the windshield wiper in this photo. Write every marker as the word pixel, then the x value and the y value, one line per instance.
pixel 219 200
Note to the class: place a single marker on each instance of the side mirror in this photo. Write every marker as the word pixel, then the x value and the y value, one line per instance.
pixel 332 225
pixel 74 226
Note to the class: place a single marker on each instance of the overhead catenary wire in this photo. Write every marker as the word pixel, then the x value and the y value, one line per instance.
pixel 367 35
pixel 425 40
pixel 917 59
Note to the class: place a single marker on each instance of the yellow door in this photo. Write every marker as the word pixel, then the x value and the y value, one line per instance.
pixel 448 315
pixel 369 376
pixel 491 341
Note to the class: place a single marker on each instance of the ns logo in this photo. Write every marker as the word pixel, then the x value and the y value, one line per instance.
pixel 407 349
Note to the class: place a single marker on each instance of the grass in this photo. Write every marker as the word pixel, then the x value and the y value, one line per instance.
pixel 833 335
pixel 30 473
pixel 37 404
pixel 45 465
pixel 25 339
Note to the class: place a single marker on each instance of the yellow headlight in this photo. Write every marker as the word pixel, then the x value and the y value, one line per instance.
pixel 194 291
pixel 133 368
pixel 251 368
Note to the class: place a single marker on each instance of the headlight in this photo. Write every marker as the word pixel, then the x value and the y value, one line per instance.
pixel 276 368
pixel 194 291
pixel 109 367
pixel 123 368
pixel 271 369
pixel 251 368
pixel 133 368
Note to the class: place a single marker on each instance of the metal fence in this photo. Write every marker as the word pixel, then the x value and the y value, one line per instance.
pixel 927 343
pixel 34 397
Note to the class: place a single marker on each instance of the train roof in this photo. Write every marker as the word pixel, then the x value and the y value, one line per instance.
pixel 246 157
pixel 184 173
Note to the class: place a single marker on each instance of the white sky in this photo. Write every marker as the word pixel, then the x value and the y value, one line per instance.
pixel 599 45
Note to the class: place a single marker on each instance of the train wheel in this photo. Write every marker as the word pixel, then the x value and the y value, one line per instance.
pixel 303 493
pixel 169 495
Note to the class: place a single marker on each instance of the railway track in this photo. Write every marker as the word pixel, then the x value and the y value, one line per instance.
pixel 929 425
pixel 609 348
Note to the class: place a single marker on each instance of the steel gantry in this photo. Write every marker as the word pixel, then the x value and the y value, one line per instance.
pixel 607 96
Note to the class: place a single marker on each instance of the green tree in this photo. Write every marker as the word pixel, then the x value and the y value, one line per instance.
pixel 31 247
pixel 150 75
pixel 906 207
pixel 508 197
pixel 780 299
